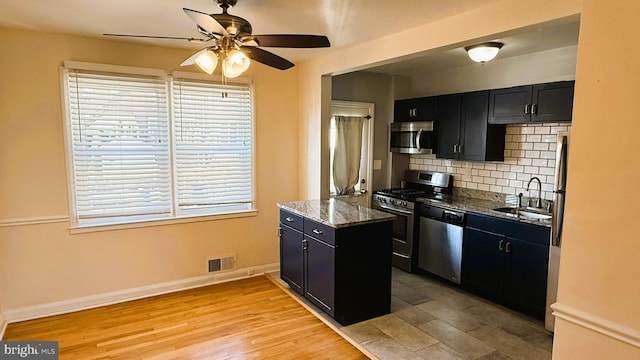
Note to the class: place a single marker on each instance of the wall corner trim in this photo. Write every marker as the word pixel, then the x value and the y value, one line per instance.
pixel 3 325
pixel 595 323
pixel 114 297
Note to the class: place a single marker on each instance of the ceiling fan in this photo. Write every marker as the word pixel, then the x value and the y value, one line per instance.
pixel 232 42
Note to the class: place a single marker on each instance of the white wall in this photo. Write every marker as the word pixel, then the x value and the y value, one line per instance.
pixel 539 67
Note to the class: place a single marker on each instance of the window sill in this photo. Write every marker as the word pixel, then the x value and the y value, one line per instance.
pixel 151 223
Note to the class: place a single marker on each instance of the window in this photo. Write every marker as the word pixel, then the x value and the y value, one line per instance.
pixel 150 147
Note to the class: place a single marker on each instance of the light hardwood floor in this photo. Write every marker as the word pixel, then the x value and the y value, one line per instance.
pixel 246 319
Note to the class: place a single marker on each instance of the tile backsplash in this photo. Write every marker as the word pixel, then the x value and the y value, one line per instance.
pixel 530 150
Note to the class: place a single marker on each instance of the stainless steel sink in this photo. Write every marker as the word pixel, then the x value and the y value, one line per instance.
pixel 525 212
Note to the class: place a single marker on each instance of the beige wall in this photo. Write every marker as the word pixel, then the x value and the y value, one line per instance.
pixel 41 263
pixel 600 263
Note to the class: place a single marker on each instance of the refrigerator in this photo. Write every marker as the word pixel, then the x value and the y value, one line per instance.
pixel 559 193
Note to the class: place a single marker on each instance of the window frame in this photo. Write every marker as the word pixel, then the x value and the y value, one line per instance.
pixel 176 215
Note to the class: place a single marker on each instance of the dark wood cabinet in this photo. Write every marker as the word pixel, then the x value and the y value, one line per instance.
pixel 548 102
pixel 552 102
pixel 527 267
pixel 448 126
pixel 506 261
pixel 462 129
pixel 291 250
pixel 291 257
pixel 417 109
pixel 483 262
pixel 320 275
pixel 345 271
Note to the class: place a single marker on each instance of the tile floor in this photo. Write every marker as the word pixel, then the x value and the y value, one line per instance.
pixel 431 320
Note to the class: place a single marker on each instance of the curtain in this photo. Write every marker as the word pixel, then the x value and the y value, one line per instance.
pixel 347 153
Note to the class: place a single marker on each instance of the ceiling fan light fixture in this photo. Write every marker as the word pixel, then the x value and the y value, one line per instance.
pixel 207 61
pixel 483 52
pixel 235 63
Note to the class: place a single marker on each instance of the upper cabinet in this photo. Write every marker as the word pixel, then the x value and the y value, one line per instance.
pixel 462 129
pixel 418 109
pixel 549 102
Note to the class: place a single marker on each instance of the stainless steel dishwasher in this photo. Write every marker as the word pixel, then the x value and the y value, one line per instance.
pixel 440 241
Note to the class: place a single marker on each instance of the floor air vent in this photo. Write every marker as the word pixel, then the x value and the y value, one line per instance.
pixel 221 264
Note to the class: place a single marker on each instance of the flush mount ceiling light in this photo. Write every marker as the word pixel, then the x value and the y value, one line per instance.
pixel 483 52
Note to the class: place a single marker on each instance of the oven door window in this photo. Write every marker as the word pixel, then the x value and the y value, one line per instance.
pixel 400 228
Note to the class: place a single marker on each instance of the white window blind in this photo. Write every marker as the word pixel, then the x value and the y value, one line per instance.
pixel 143 146
pixel 119 130
pixel 213 135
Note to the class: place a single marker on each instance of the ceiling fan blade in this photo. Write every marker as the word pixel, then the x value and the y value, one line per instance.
pixel 267 58
pixel 292 41
pixel 193 40
pixel 192 59
pixel 206 22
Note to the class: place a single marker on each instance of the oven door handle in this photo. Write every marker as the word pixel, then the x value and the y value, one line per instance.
pixel 396 211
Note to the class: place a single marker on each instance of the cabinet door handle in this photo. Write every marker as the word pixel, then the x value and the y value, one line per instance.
pixel 413 112
pixel 526 108
pixel 533 108
pixel 506 249
pixel 455 148
pixel 279 232
pixel 304 245
pixel 289 219
pixel 500 243
pixel 317 232
pixel 460 149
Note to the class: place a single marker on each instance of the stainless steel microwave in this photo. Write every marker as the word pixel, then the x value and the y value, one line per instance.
pixel 412 137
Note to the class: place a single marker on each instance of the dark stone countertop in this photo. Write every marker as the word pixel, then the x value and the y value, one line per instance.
pixel 335 213
pixel 484 207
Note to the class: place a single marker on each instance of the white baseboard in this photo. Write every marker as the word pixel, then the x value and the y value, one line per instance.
pixel 595 323
pixel 93 301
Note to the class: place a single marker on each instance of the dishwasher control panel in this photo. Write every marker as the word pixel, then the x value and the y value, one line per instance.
pixel 450 216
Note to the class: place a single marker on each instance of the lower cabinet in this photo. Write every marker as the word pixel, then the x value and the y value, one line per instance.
pixel 291 261
pixel 506 261
pixel 345 271
pixel 320 275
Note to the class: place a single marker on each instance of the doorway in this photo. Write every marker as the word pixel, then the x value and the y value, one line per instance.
pixel 360 194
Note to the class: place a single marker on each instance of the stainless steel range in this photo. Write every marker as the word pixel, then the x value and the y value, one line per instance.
pixel 402 203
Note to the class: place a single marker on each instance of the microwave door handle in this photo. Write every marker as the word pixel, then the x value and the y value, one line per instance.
pixel 418 135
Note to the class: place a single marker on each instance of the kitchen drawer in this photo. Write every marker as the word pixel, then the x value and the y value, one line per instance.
pixel 291 219
pixel 319 231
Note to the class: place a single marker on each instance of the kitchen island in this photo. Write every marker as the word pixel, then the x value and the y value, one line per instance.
pixel 338 256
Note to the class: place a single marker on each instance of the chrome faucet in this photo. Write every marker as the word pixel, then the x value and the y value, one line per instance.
pixel 539 201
